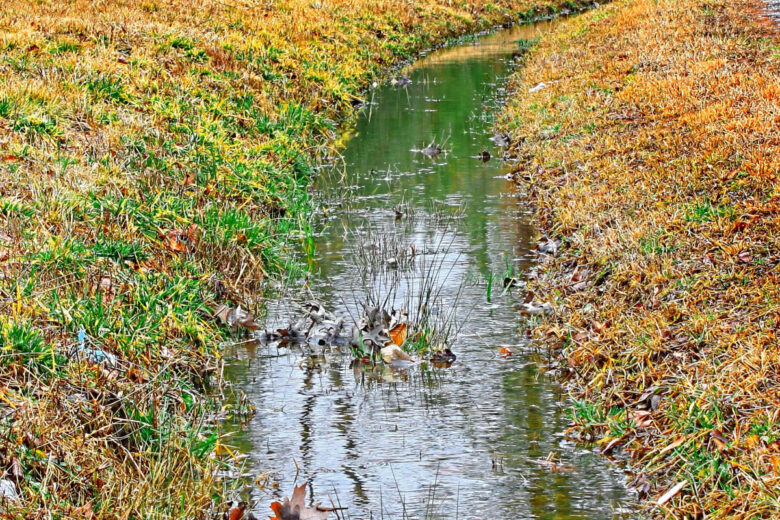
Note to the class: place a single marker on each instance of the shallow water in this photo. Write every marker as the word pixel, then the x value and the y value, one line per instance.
pixel 773 9
pixel 460 442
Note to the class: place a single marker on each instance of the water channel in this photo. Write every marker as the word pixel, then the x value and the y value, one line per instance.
pixel 467 441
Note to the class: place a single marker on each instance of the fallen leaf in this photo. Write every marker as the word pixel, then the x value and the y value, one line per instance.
pixel 84 511
pixel 236 318
pixel 611 445
pixel 15 470
pixel 106 287
pixel 236 511
pixel 719 440
pixel 443 357
pixel 223 312
pixel 295 508
pixel 505 352
pixel 599 327
pixel 172 242
pixel 642 418
pixel 398 334
pixel 745 257
pixel 393 352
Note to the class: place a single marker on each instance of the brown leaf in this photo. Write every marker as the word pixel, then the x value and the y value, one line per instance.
pixel 719 440
pixel 675 444
pixel 192 232
pixel 398 334
pixel 580 275
pixel 599 327
pixel 173 242
pixel 84 511
pixel 236 512
pixel 745 257
pixel 236 318
pixel 642 418
pixel 295 508
pixel 15 470
pixel 106 287
pixel 393 352
pixel 222 313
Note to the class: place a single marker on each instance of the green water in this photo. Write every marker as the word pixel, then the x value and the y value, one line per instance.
pixel 460 442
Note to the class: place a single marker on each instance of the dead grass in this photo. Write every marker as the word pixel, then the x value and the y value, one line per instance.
pixel 653 153
pixel 154 163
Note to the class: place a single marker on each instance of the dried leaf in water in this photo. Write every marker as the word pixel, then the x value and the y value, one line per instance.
pixel 236 318
pixel 236 512
pixel 443 358
pixel 393 352
pixel 295 508
pixel 222 314
pixel 505 352
pixel 398 334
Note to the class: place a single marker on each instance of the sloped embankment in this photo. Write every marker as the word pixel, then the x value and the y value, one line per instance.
pixel 647 134
pixel 155 159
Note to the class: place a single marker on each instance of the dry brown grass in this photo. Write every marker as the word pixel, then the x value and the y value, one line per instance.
pixel 154 160
pixel 654 155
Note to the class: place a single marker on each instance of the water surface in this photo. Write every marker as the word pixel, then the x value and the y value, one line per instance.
pixel 466 441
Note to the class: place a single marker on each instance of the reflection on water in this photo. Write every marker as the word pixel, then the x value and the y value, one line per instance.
pixel 459 442
pixel 773 9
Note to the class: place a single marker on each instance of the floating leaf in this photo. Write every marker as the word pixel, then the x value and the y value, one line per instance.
pixel 295 508
pixel 392 353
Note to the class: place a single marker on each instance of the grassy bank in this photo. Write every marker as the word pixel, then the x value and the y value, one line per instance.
pixel 154 164
pixel 652 152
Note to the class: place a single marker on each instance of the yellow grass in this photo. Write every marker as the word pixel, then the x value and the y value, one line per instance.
pixel 653 154
pixel 154 163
